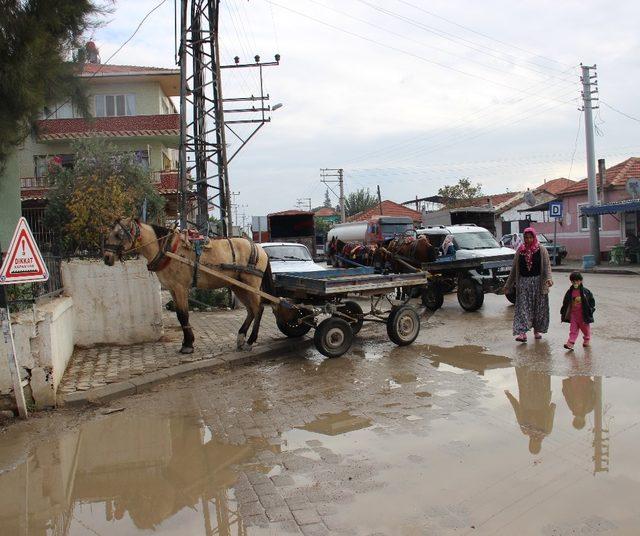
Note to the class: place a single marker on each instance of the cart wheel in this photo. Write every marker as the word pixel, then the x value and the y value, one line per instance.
pixel 432 297
pixel 511 296
pixel 403 325
pixel 470 294
pixel 353 309
pixel 333 337
pixel 293 328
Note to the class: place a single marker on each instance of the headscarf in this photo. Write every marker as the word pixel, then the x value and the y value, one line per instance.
pixel 517 241
pixel 529 251
pixel 448 241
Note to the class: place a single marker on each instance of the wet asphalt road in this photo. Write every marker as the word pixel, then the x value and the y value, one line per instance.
pixel 464 432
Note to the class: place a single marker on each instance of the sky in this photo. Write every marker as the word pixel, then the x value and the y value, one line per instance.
pixel 411 95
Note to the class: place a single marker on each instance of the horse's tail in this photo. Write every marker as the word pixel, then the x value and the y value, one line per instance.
pixel 267 280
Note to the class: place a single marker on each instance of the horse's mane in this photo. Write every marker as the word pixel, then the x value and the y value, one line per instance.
pixel 160 231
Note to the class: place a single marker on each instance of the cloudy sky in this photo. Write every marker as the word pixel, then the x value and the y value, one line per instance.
pixel 412 95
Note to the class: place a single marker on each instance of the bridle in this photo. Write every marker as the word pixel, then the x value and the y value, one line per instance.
pixel 132 234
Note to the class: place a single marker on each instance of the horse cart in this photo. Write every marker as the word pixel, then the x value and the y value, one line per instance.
pixel 321 303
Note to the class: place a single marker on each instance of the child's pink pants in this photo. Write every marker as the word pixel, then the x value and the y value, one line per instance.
pixel 577 325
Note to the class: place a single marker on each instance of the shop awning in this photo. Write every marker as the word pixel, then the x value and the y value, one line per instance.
pixel 630 205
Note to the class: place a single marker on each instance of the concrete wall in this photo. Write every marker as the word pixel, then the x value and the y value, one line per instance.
pixel 9 200
pixel 43 339
pixel 113 304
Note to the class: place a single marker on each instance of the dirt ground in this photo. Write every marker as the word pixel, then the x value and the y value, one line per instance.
pixel 464 432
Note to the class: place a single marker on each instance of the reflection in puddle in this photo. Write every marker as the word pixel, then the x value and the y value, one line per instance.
pixel 333 424
pixel 466 358
pixel 119 475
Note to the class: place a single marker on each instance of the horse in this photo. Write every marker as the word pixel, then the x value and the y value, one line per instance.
pixel 413 251
pixel 238 258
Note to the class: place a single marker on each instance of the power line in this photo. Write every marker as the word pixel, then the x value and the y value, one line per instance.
pixel 421 43
pixel 620 111
pixel 400 50
pixel 102 65
pixel 575 145
pixel 448 36
pixel 481 34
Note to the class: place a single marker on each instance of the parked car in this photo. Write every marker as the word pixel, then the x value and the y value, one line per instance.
pixel 556 252
pixel 290 257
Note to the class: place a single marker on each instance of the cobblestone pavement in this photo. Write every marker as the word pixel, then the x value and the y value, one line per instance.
pixel 215 334
pixel 463 432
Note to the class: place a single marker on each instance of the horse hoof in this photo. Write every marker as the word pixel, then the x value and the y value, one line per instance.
pixel 186 350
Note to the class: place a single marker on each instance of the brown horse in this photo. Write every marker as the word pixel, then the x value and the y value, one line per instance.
pixel 413 251
pixel 234 257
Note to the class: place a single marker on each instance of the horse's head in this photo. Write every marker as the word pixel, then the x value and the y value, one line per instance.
pixel 425 251
pixel 122 238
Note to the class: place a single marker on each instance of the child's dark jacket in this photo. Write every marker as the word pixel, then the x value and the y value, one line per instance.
pixel 588 305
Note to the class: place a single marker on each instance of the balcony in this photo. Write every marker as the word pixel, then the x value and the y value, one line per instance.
pixel 166 181
pixel 147 126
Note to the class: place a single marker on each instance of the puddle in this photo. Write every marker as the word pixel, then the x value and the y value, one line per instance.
pixel 121 475
pixel 333 424
pixel 465 358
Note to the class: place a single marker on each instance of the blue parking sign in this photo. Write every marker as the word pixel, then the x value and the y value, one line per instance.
pixel 555 209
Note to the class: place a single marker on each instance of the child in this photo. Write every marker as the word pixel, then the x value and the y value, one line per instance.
pixel 577 309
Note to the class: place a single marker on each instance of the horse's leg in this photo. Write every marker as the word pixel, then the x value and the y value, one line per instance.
pixel 245 298
pixel 181 299
pixel 258 308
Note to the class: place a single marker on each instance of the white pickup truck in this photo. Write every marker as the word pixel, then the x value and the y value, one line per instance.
pixel 480 265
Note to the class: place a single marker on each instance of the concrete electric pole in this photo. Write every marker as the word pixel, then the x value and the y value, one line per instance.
pixel 589 96
pixel 332 176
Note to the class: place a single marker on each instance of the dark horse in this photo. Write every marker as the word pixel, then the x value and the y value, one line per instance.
pixel 407 250
pixel 238 258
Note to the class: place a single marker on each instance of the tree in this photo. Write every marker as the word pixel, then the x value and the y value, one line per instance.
pixel 359 201
pixel 455 195
pixel 327 199
pixel 40 56
pixel 102 185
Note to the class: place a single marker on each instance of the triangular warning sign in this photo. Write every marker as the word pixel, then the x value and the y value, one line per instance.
pixel 23 262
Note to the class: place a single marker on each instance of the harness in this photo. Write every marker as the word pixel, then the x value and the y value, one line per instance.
pixel 132 236
pixel 250 268
pixel 161 261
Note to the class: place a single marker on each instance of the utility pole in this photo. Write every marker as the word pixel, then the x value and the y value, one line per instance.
pixel 379 200
pixel 589 96
pixel 304 201
pixel 332 176
pixel 203 161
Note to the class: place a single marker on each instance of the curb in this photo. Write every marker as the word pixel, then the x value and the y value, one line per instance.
pixel 608 271
pixel 142 383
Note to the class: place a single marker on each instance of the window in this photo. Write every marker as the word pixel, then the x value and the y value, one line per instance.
pixel 584 220
pixel 60 111
pixel 477 240
pixel 630 223
pixel 288 253
pixel 42 163
pixel 115 105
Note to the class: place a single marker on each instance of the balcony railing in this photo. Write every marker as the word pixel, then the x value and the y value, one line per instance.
pixel 166 179
pixel 34 182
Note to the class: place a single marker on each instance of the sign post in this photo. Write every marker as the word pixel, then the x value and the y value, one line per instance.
pixel 555 212
pixel 23 263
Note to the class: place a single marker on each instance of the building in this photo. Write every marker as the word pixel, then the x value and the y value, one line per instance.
pixel 527 211
pixel 326 215
pixel 131 107
pixel 387 208
pixel 618 211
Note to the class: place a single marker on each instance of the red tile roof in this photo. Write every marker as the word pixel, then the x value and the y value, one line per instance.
pixel 496 200
pixel 134 125
pixel 616 176
pixel 89 69
pixel 324 212
pixel 389 208
pixel 555 186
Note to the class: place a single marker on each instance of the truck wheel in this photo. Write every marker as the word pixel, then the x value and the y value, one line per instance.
pixel 354 310
pixel 470 294
pixel 293 328
pixel 333 337
pixel 403 325
pixel 511 296
pixel 432 297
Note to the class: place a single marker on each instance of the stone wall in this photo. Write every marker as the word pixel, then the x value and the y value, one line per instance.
pixel 117 304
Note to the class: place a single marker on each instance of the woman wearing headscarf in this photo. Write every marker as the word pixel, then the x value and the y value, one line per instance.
pixel 531 277
pixel 448 249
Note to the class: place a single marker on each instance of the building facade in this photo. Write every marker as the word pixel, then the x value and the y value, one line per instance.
pixel 131 107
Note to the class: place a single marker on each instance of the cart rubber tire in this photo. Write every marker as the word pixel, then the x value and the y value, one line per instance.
pixel 403 325
pixel 511 296
pixel 353 309
pixel 293 330
pixel 432 297
pixel 470 294
pixel 333 337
